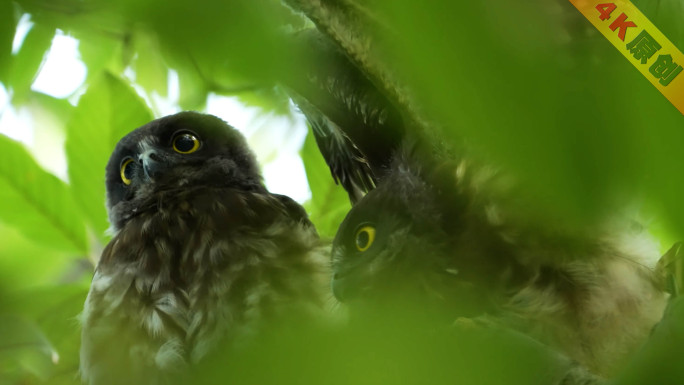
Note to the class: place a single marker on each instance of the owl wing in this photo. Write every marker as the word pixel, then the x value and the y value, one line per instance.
pixel 356 126
pixel 348 165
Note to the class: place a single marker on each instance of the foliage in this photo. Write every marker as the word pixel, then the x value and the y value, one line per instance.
pixel 104 114
pixel 542 96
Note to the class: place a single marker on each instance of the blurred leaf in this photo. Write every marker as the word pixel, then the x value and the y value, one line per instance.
pixel 272 99
pixel 151 71
pixel 36 202
pixel 26 263
pixel 329 202
pixel 59 108
pixel 193 89
pixel 229 43
pixel 28 60
pixel 109 110
pixel 100 53
pixel 7 26
pixel 660 360
pixel 95 21
pixel 54 310
pixel 396 350
pixel 25 352
pixel 572 131
pixel 57 316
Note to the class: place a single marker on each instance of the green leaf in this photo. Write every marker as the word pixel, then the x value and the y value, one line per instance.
pixel 28 60
pixel 571 130
pixel 53 311
pixel 7 27
pixel 41 103
pixel 193 88
pixel 271 99
pixel 329 202
pixel 229 44
pixel 26 263
pixel 659 361
pixel 150 69
pixel 25 351
pixel 100 53
pixel 109 110
pixel 36 203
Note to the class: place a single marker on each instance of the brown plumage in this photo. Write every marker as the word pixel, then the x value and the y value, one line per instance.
pixel 202 255
pixel 448 236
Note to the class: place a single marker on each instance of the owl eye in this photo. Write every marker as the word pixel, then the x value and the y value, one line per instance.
pixel 185 143
pixel 365 237
pixel 126 171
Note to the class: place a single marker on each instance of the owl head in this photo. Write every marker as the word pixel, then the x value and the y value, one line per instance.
pixel 181 151
pixel 419 236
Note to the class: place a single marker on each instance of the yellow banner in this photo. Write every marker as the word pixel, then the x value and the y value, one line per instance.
pixel 641 43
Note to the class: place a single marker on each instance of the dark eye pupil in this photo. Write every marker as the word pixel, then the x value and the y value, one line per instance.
pixel 362 239
pixel 185 143
pixel 128 171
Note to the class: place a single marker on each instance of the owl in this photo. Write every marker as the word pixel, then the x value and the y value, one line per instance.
pixel 201 255
pixel 444 234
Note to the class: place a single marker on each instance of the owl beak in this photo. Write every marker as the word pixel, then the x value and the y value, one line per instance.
pixel 347 285
pixel 153 165
pixel 339 288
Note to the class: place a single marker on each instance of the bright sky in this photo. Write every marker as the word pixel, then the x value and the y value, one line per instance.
pixel 275 139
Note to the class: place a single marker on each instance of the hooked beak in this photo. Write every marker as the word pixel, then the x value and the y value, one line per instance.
pixel 348 284
pixel 153 165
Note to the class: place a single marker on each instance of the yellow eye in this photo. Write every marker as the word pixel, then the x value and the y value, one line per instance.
pixel 365 237
pixel 126 171
pixel 185 143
